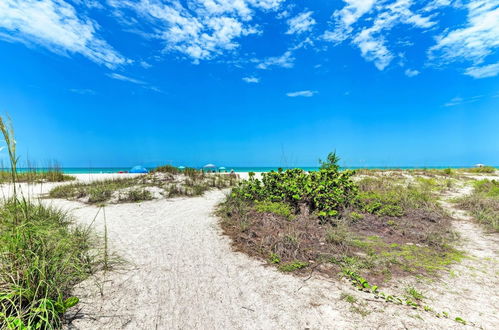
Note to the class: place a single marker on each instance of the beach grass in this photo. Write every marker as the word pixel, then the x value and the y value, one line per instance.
pixel 43 254
pixel 34 176
pixel 483 203
pixel 165 181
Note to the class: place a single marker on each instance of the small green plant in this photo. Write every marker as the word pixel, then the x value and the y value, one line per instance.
pixel 292 266
pixel 348 298
pixel 415 294
pixel 277 208
pixel 274 258
pixel 460 320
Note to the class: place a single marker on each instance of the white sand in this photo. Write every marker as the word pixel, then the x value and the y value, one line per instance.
pixel 182 274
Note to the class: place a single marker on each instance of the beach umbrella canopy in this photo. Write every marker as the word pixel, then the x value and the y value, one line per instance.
pixel 209 166
pixel 222 168
pixel 138 169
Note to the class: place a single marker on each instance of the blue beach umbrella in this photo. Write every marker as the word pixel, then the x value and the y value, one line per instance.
pixel 138 169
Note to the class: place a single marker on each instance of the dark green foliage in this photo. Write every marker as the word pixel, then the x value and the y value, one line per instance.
pixel 327 191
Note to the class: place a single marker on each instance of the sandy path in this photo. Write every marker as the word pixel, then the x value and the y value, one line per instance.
pixel 182 274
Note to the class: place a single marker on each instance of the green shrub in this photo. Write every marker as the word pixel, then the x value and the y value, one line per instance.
pixel 277 208
pixel 326 192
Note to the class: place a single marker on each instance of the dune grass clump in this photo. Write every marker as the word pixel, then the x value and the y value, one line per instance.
pixel 94 192
pixel 34 176
pixel 43 254
pixel 481 170
pixel 378 227
pixel 167 181
pixel 483 203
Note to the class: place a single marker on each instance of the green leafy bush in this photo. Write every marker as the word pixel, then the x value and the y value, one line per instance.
pixel 327 191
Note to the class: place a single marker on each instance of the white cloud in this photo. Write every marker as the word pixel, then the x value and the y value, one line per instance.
pixel 301 23
pixel 474 42
pixel 286 60
pixel 411 73
pixel 485 71
pixel 346 17
pixel 200 29
pixel 121 77
pixel 372 40
pixel 55 25
pixel 306 93
pixel 251 80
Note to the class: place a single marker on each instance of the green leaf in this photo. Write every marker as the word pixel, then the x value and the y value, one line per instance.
pixel 71 301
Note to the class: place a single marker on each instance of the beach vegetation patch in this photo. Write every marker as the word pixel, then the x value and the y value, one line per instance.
pixel 483 203
pixel 376 225
pixel 481 170
pixel 163 183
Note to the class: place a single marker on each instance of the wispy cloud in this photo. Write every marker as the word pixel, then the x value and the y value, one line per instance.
pixel 139 82
pixel 306 93
pixel 474 43
pixel 251 80
pixel 55 25
pixel 459 100
pixel 286 60
pixel 411 73
pixel 301 23
pixel 121 77
pixel 83 91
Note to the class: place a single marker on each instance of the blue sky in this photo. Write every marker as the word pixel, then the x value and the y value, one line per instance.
pixel 252 82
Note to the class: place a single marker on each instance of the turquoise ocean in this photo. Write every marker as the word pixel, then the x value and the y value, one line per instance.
pixel 83 170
